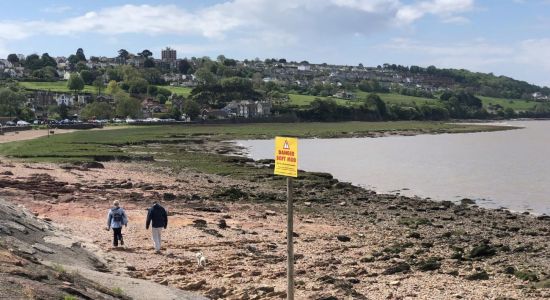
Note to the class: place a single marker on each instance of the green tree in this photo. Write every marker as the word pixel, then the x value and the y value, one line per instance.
pixel 191 109
pixel 112 88
pixel 97 110
pixel 113 74
pixel 63 111
pixel 80 66
pixel 184 66
pixel 33 62
pixel 75 83
pixel 47 60
pixel 145 53
pixel 80 55
pixel 376 101
pixel 13 58
pixel 127 106
pixel 47 73
pixel 161 98
pixel 73 60
pixel 87 76
pixel 509 113
pixel 149 63
pixel 324 109
pixel 137 86
pixel 205 76
pixel 99 84
pixel 175 113
pixel 26 114
pixel 123 54
pixel 10 102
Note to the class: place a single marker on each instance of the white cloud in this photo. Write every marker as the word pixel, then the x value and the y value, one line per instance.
pixel 245 17
pixel 446 9
pixel 57 9
pixel 534 52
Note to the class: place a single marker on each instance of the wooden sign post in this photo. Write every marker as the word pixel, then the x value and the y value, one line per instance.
pixel 286 164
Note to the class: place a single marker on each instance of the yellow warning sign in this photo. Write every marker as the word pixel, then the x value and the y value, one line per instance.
pixel 286 156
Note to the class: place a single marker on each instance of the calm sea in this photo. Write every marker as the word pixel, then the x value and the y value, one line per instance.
pixel 508 169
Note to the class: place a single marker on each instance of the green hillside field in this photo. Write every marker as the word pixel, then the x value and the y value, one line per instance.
pixel 56 87
pixel 303 100
pixel 392 98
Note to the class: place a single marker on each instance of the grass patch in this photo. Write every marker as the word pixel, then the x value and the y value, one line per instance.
pixel 305 100
pixel 389 98
pixel 516 104
pixel 526 275
pixel 58 268
pixel 178 90
pixel 118 292
pixel 393 98
pixel 56 86
pixel 414 222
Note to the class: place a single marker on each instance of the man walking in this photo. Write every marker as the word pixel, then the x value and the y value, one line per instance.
pixel 115 219
pixel 158 216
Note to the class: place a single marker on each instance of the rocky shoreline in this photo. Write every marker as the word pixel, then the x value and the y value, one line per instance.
pixel 350 243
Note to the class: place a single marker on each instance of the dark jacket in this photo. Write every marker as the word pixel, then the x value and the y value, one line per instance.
pixel 157 214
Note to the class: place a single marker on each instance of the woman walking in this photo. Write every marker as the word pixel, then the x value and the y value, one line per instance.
pixel 115 219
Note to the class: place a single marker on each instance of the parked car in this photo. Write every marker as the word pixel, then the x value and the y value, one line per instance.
pixel 10 123
pixel 23 123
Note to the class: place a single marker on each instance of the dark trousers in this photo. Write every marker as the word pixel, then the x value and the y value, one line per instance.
pixel 117 236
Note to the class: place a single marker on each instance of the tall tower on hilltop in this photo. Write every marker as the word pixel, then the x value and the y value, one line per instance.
pixel 168 54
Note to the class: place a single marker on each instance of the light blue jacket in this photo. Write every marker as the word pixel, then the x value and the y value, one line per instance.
pixel 111 223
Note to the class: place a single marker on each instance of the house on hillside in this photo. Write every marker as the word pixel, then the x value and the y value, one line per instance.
pixel 105 98
pixel 214 114
pixel 537 96
pixel 84 99
pixel 65 99
pixel 173 77
pixel 248 109
pixel 5 64
pixel 149 106
pixel 136 61
pixel 39 102
pixel 345 95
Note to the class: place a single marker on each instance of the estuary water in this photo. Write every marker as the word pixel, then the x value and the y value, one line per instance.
pixel 508 169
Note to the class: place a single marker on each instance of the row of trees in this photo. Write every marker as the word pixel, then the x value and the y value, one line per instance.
pixel 458 105
pixel 485 84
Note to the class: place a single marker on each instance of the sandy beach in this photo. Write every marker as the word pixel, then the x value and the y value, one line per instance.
pixel 350 243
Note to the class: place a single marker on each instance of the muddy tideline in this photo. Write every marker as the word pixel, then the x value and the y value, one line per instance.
pixel 350 243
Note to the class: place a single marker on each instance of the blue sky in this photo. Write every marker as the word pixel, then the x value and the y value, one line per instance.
pixel 506 37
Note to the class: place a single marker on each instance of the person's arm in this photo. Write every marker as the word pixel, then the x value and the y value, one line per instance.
pixel 109 217
pixel 148 219
pixel 124 218
pixel 165 219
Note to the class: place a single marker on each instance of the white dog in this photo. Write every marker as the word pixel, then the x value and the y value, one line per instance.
pixel 201 259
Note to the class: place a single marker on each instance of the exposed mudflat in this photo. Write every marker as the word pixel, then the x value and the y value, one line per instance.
pixel 350 243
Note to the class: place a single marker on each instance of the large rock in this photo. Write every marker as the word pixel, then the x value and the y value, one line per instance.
pixel 43 248
pixel 401 267
pixel 343 238
pixel 482 275
pixel 483 250
pixel 92 165
pixel 197 285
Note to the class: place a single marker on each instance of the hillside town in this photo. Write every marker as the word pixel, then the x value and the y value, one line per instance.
pixel 194 88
